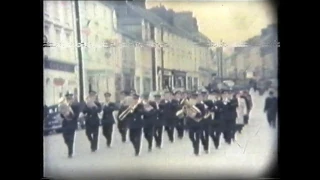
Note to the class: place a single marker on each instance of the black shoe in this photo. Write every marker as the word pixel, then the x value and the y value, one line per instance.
pixel 70 156
pixel 216 146
pixel 150 150
pixel 136 154
pixel 93 150
pixel 206 151
pixel 108 146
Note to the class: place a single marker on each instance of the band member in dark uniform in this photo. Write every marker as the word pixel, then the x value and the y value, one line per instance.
pixel 169 116
pixel 150 115
pixel 229 116
pixel 195 111
pixel 107 119
pixel 135 123
pixel 271 109
pixel 159 121
pixel 207 120
pixel 217 123
pixel 69 112
pixel 91 111
pixel 179 124
pixel 123 124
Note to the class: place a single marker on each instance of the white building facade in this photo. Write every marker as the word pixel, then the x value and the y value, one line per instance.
pixel 99 54
pixel 60 70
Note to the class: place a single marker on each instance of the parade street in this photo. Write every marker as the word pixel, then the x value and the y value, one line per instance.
pixel 248 156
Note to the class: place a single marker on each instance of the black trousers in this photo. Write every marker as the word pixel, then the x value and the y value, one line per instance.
pixel 271 117
pixel 68 137
pixel 229 130
pixel 194 135
pixel 135 138
pixel 215 134
pixel 107 130
pixel 180 128
pixel 158 130
pixel 170 131
pixel 92 133
pixel 205 135
pixel 123 129
pixel 148 134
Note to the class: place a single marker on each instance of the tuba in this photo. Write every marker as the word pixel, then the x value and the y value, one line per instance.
pixel 65 109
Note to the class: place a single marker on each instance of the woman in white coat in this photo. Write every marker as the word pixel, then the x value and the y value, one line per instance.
pixel 242 109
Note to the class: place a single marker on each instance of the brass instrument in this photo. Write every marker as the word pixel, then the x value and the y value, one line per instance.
pixel 189 109
pixel 147 106
pixel 129 110
pixel 65 109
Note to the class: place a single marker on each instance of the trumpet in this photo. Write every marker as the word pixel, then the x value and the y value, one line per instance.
pixel 129 110
pixel 208 114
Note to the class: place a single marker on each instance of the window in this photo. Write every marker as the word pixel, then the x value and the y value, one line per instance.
pixel 68 37
pixel 138 85
pixel 58 35
pixel 66 11
pixel 189 83
pixel 46 31
pixel 146 85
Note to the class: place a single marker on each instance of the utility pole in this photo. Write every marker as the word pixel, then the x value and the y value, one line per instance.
pixel 79 51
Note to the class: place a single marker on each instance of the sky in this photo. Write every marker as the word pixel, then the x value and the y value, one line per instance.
pixel 230 21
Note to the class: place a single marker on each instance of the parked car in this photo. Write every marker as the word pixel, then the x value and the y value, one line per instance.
pixel 52 122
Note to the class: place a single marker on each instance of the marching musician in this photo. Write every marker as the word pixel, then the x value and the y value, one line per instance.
pixel 179 122
pixel 107 119
pixel 135 123
pixel 123 124
pixel 217 123
pixel 69 112
pixel 91 111
pixel 195 112
pixel 149 118
pixel 159 121
pixel 229 116
pixel 207 120
pixel 169 114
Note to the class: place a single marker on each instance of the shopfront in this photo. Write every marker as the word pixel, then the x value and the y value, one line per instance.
pixel 167 78
pixel 179 78
pixel 59 78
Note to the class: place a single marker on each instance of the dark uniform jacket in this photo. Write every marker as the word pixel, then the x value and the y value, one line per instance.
pixel 135 119
pixel 92 118
pixel 107 116
pixel 71 122
pixel 169 112
pixel 158 120
pixel 271 105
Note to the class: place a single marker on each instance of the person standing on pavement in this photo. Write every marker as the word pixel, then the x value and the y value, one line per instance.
pixel 91 111
pixel 107 119
pixel 271 109
pixel 247 97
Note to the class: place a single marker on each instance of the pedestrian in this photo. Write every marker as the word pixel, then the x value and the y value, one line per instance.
pixel 271 109
pixel 108 119
pixel 248 100
pixel 90 112
pixel 242 110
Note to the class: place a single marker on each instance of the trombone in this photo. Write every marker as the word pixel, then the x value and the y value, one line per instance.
pixel 129 110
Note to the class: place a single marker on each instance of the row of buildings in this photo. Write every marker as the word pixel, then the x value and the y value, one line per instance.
pixel 259 59
pixel 148 49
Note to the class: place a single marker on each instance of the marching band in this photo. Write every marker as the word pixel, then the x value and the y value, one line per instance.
pixel 203 115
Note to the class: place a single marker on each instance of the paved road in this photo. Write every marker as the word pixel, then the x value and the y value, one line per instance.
pixel 249 156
